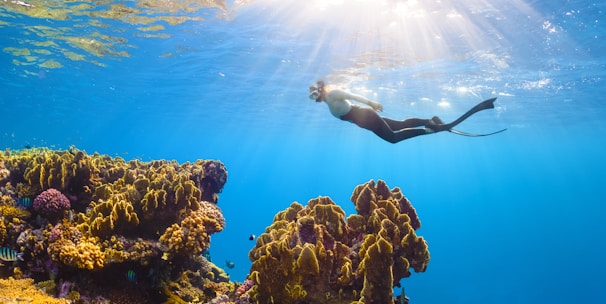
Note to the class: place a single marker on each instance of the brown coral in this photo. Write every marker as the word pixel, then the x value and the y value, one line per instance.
pixel 377 268
pixel 313 254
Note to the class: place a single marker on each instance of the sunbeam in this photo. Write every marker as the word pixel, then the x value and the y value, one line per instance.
pixel 366 38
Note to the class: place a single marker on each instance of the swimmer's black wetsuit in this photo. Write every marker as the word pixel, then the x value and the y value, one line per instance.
pixel 395 131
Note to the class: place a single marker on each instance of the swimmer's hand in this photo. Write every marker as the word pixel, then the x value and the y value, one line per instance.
pixel 376 106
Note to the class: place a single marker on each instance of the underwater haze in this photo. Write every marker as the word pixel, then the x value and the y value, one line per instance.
pixel 516 217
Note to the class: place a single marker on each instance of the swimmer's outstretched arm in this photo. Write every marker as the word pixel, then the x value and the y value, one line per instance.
pixel 355 97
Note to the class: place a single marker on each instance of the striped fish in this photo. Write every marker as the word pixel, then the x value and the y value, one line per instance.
pixel 10 255
pixel 25 202
pixel 131 275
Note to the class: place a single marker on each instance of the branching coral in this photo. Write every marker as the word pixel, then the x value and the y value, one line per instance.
pixel 313 254
pixel 84 254
pixel 192 235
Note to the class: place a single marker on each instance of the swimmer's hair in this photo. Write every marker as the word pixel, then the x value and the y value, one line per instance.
pixel 321 85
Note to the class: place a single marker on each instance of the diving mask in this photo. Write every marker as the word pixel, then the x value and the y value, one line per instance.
pixel 314 95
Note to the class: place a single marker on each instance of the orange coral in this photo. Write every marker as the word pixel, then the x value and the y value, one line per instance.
pixel 192 235
pixel 84 254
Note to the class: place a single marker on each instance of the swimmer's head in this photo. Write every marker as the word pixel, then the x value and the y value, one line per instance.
pixel 316 92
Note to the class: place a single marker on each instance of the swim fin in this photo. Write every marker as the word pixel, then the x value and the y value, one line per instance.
pixel 472 134
pixel 484 105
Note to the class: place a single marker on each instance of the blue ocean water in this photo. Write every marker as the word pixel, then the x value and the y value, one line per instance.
pixel 511 218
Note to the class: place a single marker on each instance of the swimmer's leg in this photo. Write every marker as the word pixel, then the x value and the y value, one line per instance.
pixel 396 125
pixel 369 119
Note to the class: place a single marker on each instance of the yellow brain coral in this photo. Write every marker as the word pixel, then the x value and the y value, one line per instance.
pixel 314 254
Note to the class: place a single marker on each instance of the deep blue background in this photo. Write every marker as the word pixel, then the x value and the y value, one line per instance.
pixel 513 218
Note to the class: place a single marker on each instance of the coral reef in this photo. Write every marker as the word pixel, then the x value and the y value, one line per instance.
pixel 100 217
pixel 313 254
pixel 106 230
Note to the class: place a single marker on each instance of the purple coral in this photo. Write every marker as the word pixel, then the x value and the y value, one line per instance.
pixel 242 296
pixel 51 203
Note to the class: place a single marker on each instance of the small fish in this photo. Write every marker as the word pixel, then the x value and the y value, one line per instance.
pixel 206 254
pixel 230 264
pixel 71 215
pixel 10 255
pixel 131 275
pixel 403 299
pixel 25 202
pixel 252 237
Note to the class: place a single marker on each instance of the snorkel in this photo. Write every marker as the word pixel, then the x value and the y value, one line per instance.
pixel 317 93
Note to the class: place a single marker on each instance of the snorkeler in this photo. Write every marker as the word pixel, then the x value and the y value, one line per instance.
pixel 388 129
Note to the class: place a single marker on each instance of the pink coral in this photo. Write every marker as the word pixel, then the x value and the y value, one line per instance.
pixel 51 203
